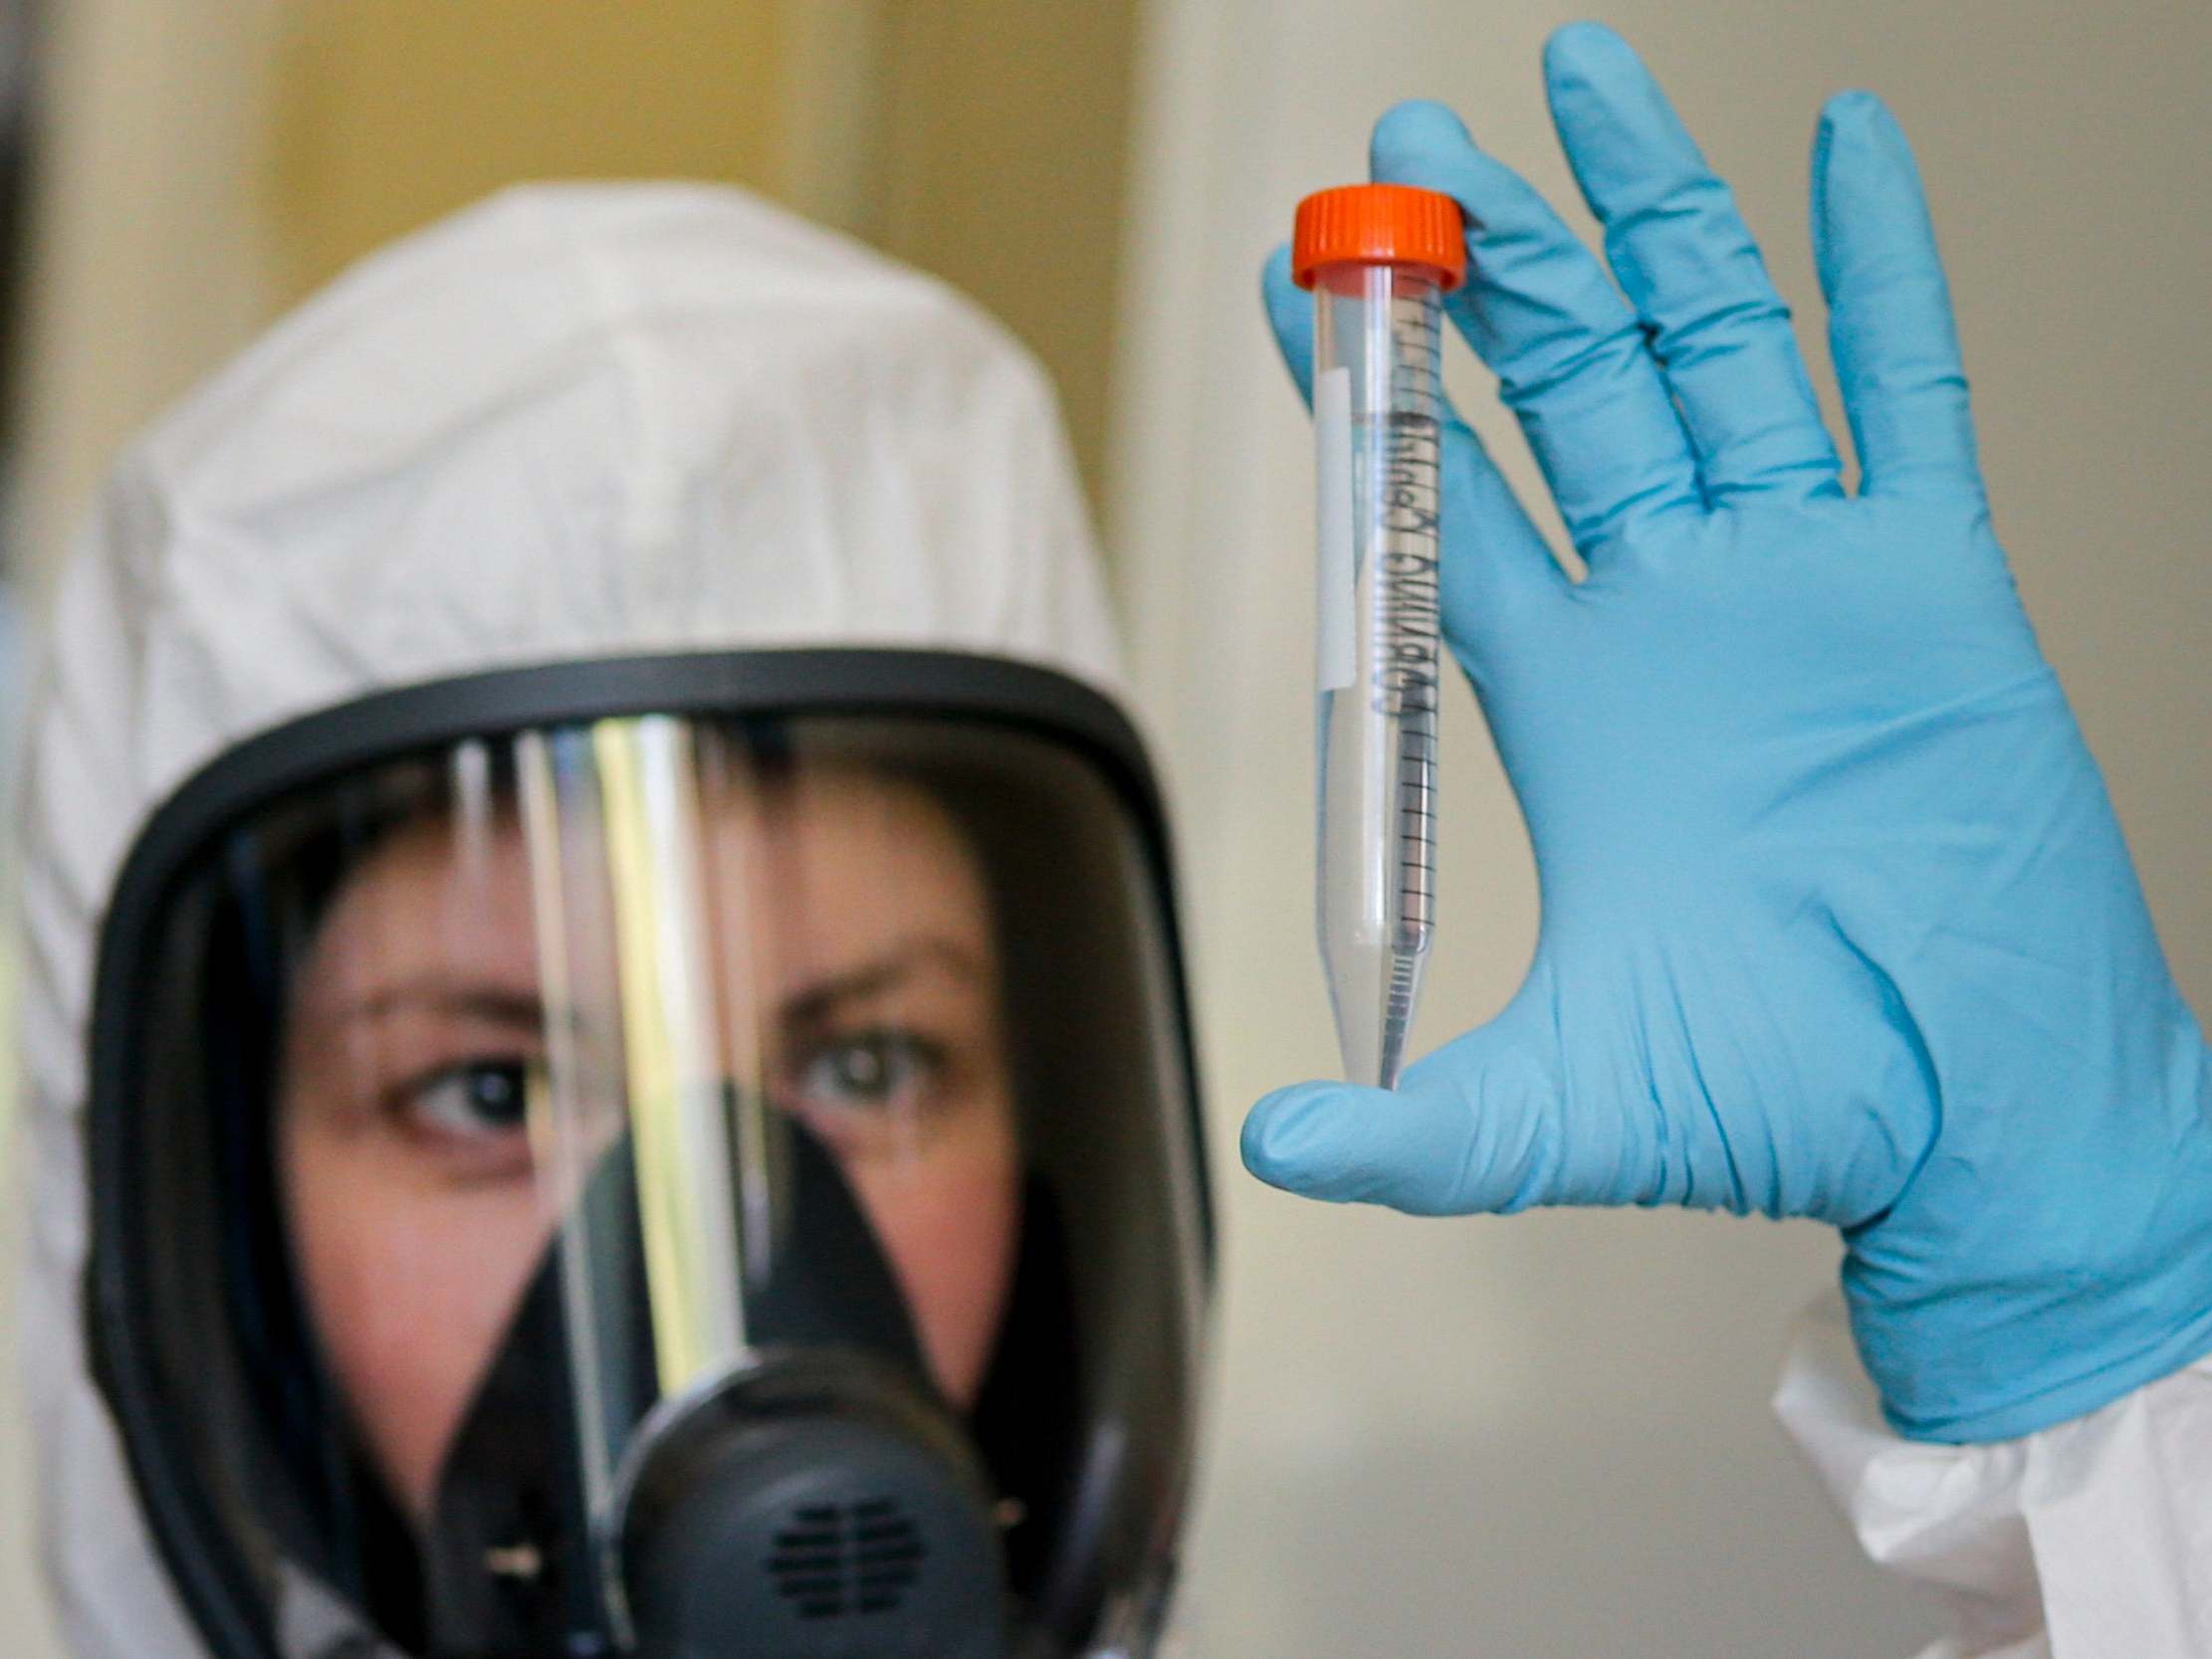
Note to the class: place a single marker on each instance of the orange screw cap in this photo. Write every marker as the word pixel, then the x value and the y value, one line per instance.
pixel 1379 224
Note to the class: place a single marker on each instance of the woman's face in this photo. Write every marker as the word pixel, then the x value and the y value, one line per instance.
pixel 417 1030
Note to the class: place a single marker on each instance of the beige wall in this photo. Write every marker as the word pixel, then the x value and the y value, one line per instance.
pixel 384 114
pixel 1003 159
pixel 1547 1435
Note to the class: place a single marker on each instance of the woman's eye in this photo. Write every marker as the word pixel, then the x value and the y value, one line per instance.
pixel 479 1100
pixel 869 1069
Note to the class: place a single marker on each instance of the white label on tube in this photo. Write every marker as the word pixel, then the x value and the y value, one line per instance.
pixel 1335 651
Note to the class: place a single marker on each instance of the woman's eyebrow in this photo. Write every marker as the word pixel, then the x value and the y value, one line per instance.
pixel 493 1004
pixel 526 1010
pixel 880 973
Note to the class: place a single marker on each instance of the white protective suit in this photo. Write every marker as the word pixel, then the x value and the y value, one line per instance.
pixel 573 422
pixel 585 421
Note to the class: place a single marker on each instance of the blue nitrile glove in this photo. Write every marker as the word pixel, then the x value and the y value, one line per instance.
pixel 1837 918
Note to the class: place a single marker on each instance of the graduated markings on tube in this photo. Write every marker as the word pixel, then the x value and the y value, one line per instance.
pixel 1336 649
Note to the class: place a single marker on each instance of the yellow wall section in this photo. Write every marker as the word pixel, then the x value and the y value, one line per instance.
pixel 387 114
pixel 1005 172
pixel 981 139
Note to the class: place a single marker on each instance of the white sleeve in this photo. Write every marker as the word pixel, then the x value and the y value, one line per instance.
pixel 2090 1539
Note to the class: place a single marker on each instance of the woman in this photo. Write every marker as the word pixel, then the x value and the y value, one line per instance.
pixel 639 1099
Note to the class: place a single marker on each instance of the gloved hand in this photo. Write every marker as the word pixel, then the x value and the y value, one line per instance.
pixel 1837 918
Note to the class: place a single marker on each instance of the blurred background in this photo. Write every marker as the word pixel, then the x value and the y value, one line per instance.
pixel 1539 1437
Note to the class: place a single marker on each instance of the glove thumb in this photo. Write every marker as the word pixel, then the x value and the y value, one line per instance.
pixel 1481 1125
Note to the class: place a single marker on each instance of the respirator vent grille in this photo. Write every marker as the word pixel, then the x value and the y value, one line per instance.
pixel 835 1561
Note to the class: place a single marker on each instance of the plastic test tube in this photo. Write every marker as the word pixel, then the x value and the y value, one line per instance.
pixel 1379 258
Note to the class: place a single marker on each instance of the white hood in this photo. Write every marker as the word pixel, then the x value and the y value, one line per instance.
pixel 575 421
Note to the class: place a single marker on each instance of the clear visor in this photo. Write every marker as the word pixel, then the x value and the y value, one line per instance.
pixel 518 1098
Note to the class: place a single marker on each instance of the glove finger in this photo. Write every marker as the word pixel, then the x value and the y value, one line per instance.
pixel 1492 552
pixel 1481 1126
pixel 1889 323
pixel 1291 316
pixel 1540 310
pixel 1689 266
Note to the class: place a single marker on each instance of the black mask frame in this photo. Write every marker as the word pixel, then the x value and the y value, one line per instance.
pixel 1126 1507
